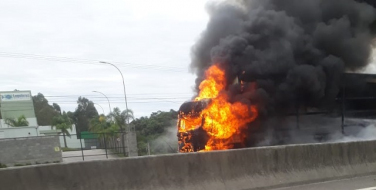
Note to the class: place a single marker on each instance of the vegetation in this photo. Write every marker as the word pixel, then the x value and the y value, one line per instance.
pixel 63 123
pixel 17 122
pixel 44 111
pixel 121 117
pixel 65 149
pixel 3 165
pixel 159 129
pixel 155 130
pixel 85 112
pixel 112 123
pixel 18 164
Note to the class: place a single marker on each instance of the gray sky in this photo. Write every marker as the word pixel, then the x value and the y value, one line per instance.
pixel 149 40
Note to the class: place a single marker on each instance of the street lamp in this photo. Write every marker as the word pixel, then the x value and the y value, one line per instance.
pixel 125 95
pixel 109 105
pixel 126 105
pixel 100 106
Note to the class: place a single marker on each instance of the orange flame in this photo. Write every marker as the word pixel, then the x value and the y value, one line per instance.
pixel 214 83
pixel 224 121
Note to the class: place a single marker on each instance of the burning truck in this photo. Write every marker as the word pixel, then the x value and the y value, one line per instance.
pixel 212 121
pixel 291 58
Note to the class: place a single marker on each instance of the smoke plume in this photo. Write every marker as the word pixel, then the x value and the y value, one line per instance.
pixel 166 143
pixel 293 50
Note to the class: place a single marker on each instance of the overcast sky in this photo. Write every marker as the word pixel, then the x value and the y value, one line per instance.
pixel 149 40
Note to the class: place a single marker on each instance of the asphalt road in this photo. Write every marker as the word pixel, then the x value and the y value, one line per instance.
pixel 359 183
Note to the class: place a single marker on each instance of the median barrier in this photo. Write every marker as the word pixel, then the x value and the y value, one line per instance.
pixel 241 169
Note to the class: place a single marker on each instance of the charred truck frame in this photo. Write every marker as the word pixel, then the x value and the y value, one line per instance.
pixel 355 103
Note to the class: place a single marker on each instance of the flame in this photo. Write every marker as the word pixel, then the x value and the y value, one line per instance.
pixel 214 83
pixel 224 121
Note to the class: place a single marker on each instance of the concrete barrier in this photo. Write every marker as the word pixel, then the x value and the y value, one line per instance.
pixel 30 150
pixel 222 170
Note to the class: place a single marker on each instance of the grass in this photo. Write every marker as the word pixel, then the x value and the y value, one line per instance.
pixel 69 149
pixel 118 154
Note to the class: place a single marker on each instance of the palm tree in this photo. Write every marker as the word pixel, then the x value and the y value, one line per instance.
pixel 17 122
pixel 99 124
pixel 122 117
pixel 62 122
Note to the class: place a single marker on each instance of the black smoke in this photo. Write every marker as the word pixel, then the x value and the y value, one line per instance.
pixel 295 51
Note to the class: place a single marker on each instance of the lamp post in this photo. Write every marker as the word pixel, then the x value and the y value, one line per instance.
pixel 100 107
pixel 109 105
pixel 126 105
pixel 125 94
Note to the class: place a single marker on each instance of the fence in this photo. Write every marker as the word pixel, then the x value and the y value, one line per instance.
pixel 94 146
pixel 86 145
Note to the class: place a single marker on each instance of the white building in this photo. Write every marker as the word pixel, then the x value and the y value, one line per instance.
pixel 72 140
pixel 14 104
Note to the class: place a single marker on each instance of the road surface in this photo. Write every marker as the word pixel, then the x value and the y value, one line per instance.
pixel 359 183
pixel 97 154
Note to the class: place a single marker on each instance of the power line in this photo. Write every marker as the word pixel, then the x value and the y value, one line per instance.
pixel 131 102
pixel 135 98
pixel 119 95
pixel 88 61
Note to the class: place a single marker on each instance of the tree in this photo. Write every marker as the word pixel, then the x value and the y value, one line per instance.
pixel 85 111
pixel 121 117
pixel 56 107
pixel 99 124
pixel 17 122
pixel 43 111
pixel 157 129
pixel 63 123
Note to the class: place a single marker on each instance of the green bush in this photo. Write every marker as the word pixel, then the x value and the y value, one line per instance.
pixel 19 164
pixel 3 165
pixel 56 161
pixel 28 164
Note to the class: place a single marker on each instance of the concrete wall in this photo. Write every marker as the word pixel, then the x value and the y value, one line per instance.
pixel 29 150
pixel 221 170
pixel 15 132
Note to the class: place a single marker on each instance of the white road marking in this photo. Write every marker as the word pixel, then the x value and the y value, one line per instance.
pixel 369 188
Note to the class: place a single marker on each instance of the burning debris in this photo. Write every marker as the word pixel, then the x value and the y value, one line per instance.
pixel 287 54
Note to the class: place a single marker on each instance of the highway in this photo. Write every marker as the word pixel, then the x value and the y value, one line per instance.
pixel 359 183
